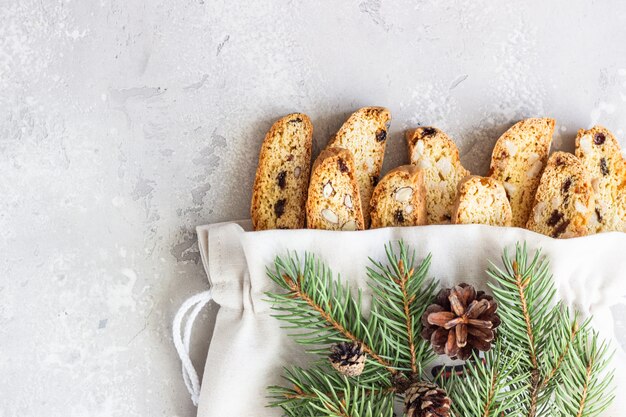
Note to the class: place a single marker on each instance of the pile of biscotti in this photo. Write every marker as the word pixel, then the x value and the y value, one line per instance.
pixel 560 195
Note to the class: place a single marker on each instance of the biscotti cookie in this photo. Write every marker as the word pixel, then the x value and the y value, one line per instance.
pixel 600 153
pixel 481 200
pixel 564 202
pixel 433 151
pixel 365 135
pixel 333 200
pixel 282 176
pixel 399 199
pixel 518 160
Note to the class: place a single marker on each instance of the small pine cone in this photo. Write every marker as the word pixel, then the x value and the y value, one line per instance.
pixel 460 322
pixel 424 399
pixel 348 358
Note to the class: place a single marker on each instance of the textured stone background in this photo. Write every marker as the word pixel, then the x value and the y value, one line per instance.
pixel 124 124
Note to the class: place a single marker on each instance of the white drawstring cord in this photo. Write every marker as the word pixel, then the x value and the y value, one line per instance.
pixel 194 303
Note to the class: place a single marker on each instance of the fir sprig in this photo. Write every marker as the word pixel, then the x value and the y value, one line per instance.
pixel 324 311
pixel 489 386
pixel 586 391
pixel 540 327
pixel 401 293
pixel 321 392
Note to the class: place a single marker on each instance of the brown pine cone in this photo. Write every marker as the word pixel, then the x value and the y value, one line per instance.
pixel 348 358
pixel 460 322
pixel 424 399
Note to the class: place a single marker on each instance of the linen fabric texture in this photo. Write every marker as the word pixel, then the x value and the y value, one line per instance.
pixel 249 348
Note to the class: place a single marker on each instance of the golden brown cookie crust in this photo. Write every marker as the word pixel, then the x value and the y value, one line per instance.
pixel 282 176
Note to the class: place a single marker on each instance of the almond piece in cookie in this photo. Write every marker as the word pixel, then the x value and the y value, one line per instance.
pixel 518 160
pixel 600 153
pixel 365 135
pixel 434 152
pixel 282 176
pixel 399 199
pixel 481 200
pixel 333 200
pixel 565 200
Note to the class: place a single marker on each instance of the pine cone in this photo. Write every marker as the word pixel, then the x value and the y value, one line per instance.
pixel 460 322
pixel 348 358
pixel 424 399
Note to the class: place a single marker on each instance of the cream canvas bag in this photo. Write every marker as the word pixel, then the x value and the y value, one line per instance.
pixel 249 349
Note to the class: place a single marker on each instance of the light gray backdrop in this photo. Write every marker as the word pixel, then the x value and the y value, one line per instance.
pixel 124 124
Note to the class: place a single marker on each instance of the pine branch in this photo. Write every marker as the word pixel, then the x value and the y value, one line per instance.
pixel 525 294
pixel 488 387
pixel 324 311
pixel 543 329
pixel 321 392
pixel 336 324
pixel 401 294
pixel 586 389
pixel 560 345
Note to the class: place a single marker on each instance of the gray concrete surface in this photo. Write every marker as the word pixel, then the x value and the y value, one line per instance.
pixel 124 124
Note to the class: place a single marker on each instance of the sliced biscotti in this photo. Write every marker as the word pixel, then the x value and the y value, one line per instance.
pixel 518 160
pixel 433 151
pixel 399 199
pixel 564 201
pixel 282 176
pixel 481 200
pixel 334 201
pixel 600 153
pixel 365 135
